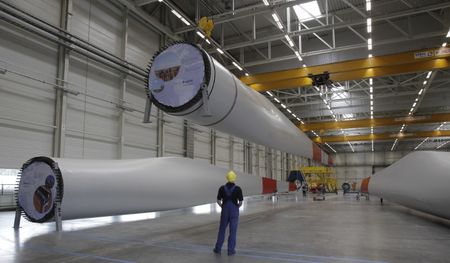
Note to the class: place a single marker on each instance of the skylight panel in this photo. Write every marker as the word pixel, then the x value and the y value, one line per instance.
pixel 312 7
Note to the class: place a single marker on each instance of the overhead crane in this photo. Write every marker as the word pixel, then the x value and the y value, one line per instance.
pixel 376 122
pixel 394 64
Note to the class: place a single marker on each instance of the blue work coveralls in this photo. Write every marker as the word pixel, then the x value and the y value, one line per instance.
pixel 229 215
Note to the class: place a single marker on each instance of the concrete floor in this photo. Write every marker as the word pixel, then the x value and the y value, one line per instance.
pixel 339 229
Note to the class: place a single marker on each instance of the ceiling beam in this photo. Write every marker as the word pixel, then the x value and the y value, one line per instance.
pixel 382 136
pixel 377 122
pixel 414 61
pixel 329 27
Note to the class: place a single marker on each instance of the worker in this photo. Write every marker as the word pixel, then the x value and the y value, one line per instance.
pixel 304 189
pixel 229 198
pixel 42 198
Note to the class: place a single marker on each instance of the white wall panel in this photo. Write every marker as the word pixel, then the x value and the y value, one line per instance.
pixel 142 43
pixel 222 149
pixel 238 154
pixel 173 136
pixel 25 100
pixel 99 23
pixel 47 10
pixel 202 143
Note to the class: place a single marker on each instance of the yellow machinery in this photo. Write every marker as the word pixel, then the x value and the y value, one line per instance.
pixel 318 177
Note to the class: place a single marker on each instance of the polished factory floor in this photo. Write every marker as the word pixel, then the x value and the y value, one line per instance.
pixel 294 229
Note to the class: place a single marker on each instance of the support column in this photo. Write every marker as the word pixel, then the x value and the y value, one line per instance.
pixel 59 136
pixel 123 87
pixel 231 153
pixel 160 134
pixel 268 155
pixel 213 147
pixel 188 140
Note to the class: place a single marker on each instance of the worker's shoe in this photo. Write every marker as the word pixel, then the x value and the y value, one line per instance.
pixel 231 253
pixel 216 251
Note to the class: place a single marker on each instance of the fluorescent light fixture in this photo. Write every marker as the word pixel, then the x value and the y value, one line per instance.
pixel 298 119
pixel 448 33
pixel 275 17
pixel 371 108
pixel 424 82
pixel 207 41
pixel 393 145
pixel 237 65
pixel 288 110
pixel 297 54
pixel 185 22
pixel 304 65
pixel 371 96
pixel 420 91
pixel 371 81
pixel 176 13
pixel 414 104
pixel 290 41
pixel 371 89
pixel 371 103
pixel 266 3
pixel 320 93
pixel 369 25
pixel 442 144
pixel 351 146
pixel 277 100
pixel 444 44
pixel 293 115
pixel 160 1
pixel 200 34
pixel 428 74
pixel 246 74
pixel 328 106
pixel 219 50
pixel 282 105
pixel 370 55
pixel 312 7
pixel 280 26
pixel 421 143
pixel 368 5
pixel 269 93
pixel 330 147
pixel 302 122
pixel 369 43
pixel 324 101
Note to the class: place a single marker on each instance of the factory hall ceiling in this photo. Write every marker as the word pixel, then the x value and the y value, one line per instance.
pixel 382 66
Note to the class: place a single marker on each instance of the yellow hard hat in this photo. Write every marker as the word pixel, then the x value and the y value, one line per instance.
pixel 231 177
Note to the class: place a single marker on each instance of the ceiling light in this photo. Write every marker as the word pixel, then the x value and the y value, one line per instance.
pixel 444 44
pixel 269 93
pixel 414 104
pixel 420 91
pixel 371 103
pixel 246 74
pixel 369 25
pixel 442 144
pixel 302 122
pixel 275 17
pixel 298 119
pixel 293 115
pixel 324 101
pixel 371 81
pixel 328 106
pixel 371 89
pixel 200 34
pixel 219 50
pixel 176 13
pixel 288 110
pixel 207 41
pixel 371 96
pixel 312 7
pixel 282 105
pixel 237 65
pixel 393 145
pixel 370 55
pixel 448 33
pixel 186 22
pixel 304 65
pixel 266 3
pixel 429 74
pixel 277 100
pixel 320 93
pixel 371 108
pixel 425 82
pixel 368 5
pixel 160 1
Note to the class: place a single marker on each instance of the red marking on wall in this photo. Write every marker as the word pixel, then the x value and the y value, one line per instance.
pixel 365 185
pixel 269 185
pixel 292 187
pixel 330 160
pixel 317 153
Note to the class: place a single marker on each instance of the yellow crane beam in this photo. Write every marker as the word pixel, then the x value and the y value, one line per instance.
pixel 401 63
pixel 382 136
pixel 377 122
